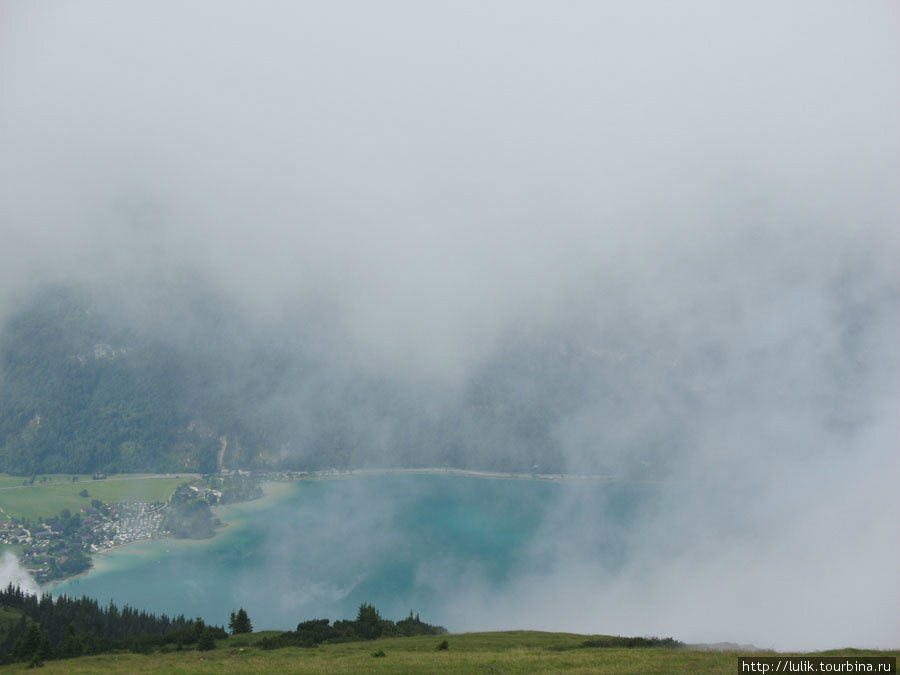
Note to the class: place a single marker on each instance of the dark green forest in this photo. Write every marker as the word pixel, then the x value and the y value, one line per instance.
pixel 188 516
pixel 67 627
pixel 83 392
pixel 36 628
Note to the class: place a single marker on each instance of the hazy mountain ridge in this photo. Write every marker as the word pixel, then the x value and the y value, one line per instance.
pixel 95 380
pixel 87 388
pixel 84 389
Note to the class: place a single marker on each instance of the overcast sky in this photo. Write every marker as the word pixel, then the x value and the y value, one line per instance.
pixel 713 185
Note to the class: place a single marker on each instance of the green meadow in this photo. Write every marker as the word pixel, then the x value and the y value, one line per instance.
pixel 508 652
pixel 47 499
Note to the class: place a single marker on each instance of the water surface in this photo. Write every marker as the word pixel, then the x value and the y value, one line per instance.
pixel 402 542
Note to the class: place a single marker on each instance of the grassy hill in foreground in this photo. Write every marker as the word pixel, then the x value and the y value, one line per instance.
pixel 508 652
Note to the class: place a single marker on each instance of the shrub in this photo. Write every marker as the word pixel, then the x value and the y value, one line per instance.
pixel 632 642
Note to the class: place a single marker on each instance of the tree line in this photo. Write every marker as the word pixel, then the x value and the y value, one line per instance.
pixel 68 627
pixel 34 629
pixel 368 625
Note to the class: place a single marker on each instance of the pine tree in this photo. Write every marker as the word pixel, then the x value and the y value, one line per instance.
pixel 241 623
pixel 30 644
pixel 72 645
pixel 207 640
pixel 369 624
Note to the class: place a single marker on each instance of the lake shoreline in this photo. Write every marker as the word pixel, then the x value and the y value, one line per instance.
pixel 277 488
pixel 471 473
pixel 100 561
pixel 319 547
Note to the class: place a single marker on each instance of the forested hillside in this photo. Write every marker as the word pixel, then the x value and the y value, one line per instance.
pixel 82 391
pixel 92 384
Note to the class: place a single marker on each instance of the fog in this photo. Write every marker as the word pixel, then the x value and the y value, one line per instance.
pixel 672 228
pixel 11 572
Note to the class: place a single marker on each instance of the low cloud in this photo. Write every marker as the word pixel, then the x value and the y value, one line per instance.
pixel 611 239
pixel 12 572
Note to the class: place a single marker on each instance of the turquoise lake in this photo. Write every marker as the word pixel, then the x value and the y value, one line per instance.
pixel 402 542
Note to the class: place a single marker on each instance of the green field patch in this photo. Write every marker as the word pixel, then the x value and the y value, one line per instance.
pixel 12 548
pixel 47 500
pixel 508 652
pixel 7 480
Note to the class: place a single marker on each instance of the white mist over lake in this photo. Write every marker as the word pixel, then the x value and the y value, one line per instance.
pixel 470 554
pixel 321 548
pixel 12 572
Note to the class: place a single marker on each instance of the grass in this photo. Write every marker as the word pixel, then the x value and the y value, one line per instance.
pixel 509 652
pixel 12 548
pixel 47 500
pixel 7 480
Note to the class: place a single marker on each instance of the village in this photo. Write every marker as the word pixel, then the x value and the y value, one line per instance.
pixel 54 548
pixel 61 546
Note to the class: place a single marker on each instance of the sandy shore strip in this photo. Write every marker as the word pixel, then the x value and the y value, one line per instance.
pixel 441 471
